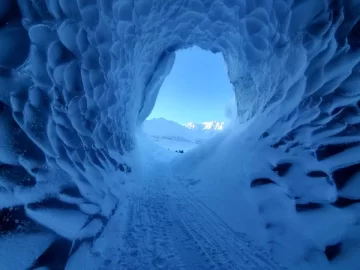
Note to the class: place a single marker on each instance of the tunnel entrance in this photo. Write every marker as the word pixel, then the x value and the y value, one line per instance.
pixel 194 103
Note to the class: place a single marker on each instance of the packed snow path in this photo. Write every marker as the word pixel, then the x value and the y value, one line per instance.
pixel 168 228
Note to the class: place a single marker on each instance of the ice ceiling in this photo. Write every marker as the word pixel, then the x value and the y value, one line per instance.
pixel 77 77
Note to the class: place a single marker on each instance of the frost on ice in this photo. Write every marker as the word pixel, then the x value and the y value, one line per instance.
pixel 80 186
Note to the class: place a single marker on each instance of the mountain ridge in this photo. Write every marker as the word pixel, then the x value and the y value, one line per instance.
pixel 191 130
pixel 205 126
pixel 167 132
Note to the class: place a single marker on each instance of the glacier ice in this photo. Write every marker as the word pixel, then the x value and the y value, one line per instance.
pixel 77 78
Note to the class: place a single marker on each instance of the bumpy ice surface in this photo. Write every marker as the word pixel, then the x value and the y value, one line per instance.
pixel 78 187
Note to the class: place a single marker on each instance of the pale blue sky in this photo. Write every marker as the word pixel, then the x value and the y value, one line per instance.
pixel 196 90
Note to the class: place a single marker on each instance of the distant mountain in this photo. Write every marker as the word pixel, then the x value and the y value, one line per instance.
pixel 206 126
pixel 166 128
pixel 173 135
pixel 190 131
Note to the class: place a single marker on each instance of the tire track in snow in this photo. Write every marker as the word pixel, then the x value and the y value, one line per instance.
pixel 170 229
pixel 232 248
pixel 147 244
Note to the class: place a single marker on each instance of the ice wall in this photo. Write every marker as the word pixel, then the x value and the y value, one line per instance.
pixel 76 77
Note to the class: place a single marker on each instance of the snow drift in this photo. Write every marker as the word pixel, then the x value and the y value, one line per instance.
pixel 78 77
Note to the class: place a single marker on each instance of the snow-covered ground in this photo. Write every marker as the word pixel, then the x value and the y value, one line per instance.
pixel 167 227
pixel 81 188
pixel 174 143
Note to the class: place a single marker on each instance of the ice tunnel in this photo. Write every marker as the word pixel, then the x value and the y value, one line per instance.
pixel 78 190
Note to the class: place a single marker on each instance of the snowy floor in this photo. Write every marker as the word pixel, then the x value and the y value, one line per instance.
pixel 168 228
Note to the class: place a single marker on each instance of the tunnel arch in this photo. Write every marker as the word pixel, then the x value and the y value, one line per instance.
pixel 68 128
pixel 211 34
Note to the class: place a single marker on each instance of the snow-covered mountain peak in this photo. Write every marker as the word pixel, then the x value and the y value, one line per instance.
pixel 213 125
pixel 190 125
pixel 206 126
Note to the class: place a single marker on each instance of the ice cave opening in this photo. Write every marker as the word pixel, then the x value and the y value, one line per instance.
pixel 81 189
pixel 194 103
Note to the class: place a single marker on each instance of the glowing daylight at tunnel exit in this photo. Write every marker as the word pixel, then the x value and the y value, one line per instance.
pixel 196 90
pixel 195 102
pixel 81 187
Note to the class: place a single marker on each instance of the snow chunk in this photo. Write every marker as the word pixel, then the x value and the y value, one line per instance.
pixel 66 223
